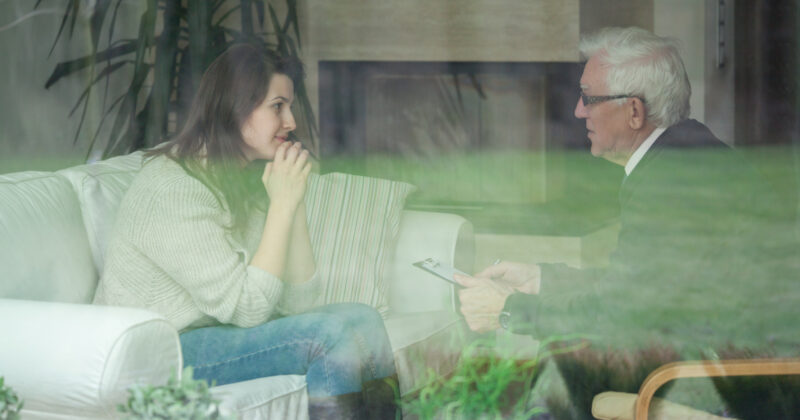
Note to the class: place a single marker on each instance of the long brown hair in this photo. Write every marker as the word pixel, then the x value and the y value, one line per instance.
pixel 210 145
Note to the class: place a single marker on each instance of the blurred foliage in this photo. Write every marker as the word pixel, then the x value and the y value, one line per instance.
pixel 590 371
pixel 10 403
pixel 491 381
pixel 758 397
pixel 179 399
pixel 176 42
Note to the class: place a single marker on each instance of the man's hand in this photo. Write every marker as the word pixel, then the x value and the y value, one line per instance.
pixel 525 278
pixel 482 300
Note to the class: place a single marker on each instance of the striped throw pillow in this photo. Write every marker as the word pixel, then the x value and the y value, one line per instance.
pixel 353 222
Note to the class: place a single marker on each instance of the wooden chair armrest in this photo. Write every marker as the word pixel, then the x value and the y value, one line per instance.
pixel 710 368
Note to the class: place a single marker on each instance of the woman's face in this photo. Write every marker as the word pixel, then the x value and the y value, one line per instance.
pixel 271 122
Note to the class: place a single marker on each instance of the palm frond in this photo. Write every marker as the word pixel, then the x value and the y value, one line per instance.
pixel 71 10
pixel 175 42
pixel 103 74
pixel 66 68
pixel 96 21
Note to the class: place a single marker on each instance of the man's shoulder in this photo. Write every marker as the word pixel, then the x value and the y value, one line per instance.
pixel 690 148
pixel 689 133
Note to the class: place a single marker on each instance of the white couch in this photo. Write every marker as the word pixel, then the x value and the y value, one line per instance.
pixel 69 359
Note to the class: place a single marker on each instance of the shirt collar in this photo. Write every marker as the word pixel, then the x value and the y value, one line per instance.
pixel 642 149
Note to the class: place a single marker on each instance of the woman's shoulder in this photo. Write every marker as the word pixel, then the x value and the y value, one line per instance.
pixel 162 179
pixel 162 173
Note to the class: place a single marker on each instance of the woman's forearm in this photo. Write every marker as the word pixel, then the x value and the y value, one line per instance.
pixel 273 248
pixel 300 263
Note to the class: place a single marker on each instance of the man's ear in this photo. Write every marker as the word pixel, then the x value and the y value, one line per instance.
pixel 636 114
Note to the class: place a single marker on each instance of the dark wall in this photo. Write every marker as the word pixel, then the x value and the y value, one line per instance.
pixel 766 49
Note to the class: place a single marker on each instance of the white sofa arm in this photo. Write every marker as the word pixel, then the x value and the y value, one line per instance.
pixel 444 236
pixel 78 360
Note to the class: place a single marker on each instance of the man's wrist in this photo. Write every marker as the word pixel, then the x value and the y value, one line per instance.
pixel 505 320
pixel 515 315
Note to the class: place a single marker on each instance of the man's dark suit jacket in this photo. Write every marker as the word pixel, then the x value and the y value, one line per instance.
pixel 693 253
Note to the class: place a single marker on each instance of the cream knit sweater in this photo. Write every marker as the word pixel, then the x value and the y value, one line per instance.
pixel 171 253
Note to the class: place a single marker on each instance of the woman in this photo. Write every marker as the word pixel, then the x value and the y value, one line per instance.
pixel 220 252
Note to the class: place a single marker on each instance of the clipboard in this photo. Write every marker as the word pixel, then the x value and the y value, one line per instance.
pixel 440 270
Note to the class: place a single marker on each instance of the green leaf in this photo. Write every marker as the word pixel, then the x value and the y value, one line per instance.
pixel 291 16
pixel 71 10
pixel 66 68
pixel 259 4
pixel 277 27
pixel 175 43
pixel 246 17
pixel 96 21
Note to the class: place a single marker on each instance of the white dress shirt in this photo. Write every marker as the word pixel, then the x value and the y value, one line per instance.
pixel 642 149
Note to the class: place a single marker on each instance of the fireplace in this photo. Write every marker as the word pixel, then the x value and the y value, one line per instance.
pixel 469 135
pixel 470 100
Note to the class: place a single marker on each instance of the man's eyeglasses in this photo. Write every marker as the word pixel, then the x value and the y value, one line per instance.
pixel 588 100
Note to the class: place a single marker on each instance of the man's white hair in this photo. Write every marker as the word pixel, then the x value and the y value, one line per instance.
pixel 642 64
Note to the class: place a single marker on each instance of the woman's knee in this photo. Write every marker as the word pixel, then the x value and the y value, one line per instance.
pixel 358 314
pixel 324 327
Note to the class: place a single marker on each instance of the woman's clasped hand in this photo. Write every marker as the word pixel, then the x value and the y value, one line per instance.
pixel 285 177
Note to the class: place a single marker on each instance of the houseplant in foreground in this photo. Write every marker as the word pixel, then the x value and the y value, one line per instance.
pixel 10 404
pixel 491 381
pixel 180 399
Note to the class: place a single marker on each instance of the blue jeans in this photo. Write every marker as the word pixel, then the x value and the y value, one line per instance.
pixel 337 347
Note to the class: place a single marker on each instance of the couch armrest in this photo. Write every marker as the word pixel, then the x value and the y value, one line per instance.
pixel 444 236
pixel 78 360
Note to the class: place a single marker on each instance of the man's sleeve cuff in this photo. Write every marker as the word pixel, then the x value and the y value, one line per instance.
pixel 521 307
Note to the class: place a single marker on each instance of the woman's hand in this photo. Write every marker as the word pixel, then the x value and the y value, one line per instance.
pixel 285 177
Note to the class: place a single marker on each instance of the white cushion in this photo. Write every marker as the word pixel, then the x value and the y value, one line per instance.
pixel 100 187
pixel 423 341
pixel 44 252
pixel 276 397
pixel 78 360
pixel 446 237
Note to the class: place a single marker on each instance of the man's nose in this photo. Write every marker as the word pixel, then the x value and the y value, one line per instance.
pixel 580 109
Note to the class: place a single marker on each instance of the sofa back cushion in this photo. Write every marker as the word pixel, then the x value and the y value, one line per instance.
pixel 100 187
pixel 353 222
pixel 44 251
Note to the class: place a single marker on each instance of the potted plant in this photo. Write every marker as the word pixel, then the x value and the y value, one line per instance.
pixel 180 399
pixel 177 40
pixel 10 403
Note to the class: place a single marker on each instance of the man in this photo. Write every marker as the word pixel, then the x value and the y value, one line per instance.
pixel 688 248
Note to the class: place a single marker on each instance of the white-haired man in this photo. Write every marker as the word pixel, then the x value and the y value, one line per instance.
pixel 685 248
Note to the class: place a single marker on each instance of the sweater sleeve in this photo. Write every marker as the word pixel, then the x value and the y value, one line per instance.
pixel 299 297
pixel 184 232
